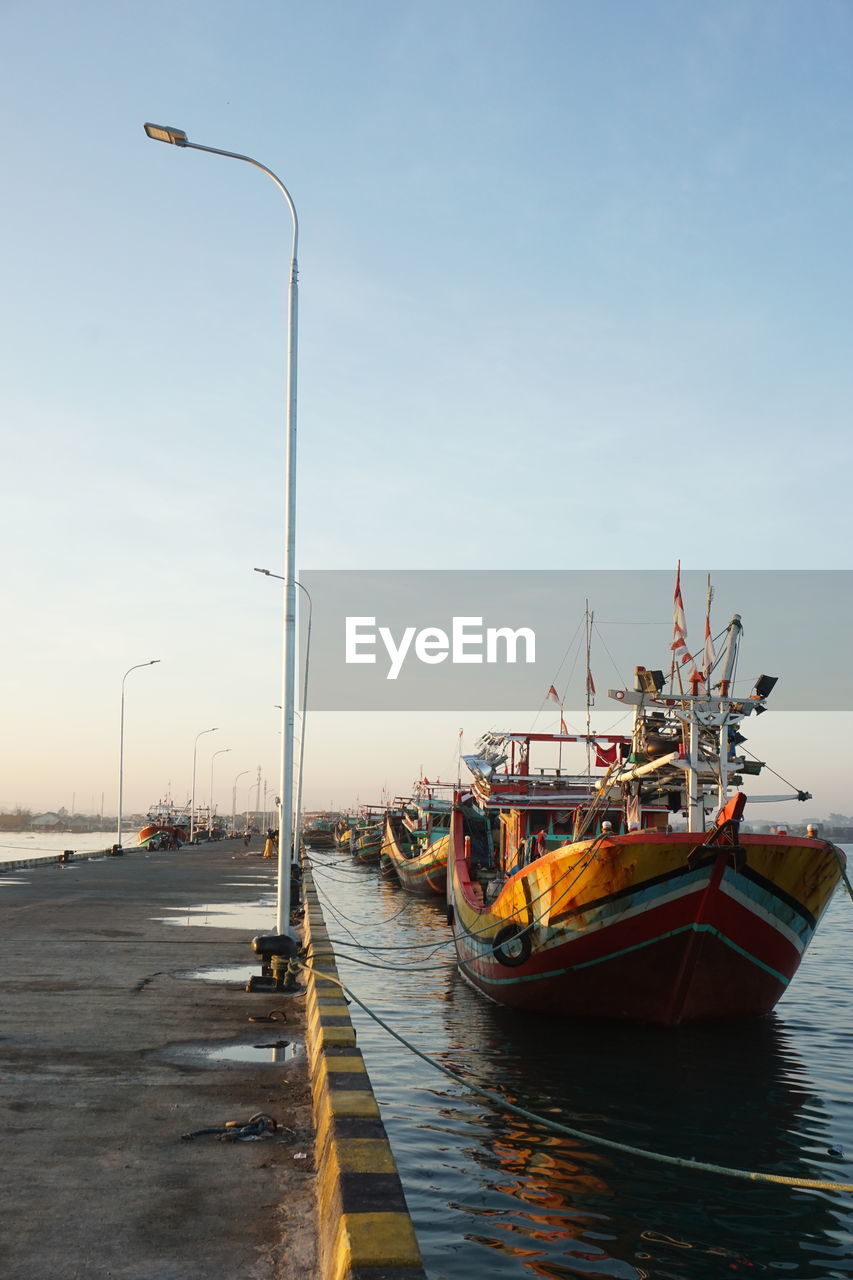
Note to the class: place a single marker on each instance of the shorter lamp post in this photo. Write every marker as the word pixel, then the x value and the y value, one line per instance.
pixel 234 801
pixel 221 752
pixel 192 809
pixel 153 662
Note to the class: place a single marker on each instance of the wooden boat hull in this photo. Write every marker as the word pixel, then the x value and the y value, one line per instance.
pixel 633 927
pixel 425 874
pixel 319 838
pixel 366 846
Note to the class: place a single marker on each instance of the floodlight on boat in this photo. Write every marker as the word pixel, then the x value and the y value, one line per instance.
pixel 649 681
pixel 166 133
pixel 764 685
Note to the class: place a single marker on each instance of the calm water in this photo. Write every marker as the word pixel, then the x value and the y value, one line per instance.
pixel 491 1195
pixel 16 845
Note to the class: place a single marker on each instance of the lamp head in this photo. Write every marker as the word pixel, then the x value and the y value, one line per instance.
pixel 764 685
pixel 166 133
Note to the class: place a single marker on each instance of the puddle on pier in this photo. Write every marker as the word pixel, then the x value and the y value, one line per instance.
pixel 224 973
pixel 250 884
pixel 263 1051
pixel 255 916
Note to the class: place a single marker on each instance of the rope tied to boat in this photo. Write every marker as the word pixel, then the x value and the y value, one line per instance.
pixel 564 1130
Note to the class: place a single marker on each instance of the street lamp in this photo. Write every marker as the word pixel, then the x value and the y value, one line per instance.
pixel 152 663
pixel 177 137
pixel 222 752
pixel 234 801
pixel 297 826
pixel 249 802
pixel 192 810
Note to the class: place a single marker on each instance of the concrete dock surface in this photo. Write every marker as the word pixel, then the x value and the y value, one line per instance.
pixel 105 1062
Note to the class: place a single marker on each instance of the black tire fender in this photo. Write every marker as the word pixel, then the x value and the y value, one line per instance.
pixel 511 945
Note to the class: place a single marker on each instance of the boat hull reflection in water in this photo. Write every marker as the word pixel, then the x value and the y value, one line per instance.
pixel 494 1195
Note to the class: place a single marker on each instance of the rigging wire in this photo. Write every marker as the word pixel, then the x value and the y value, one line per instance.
pixel 609 654
pixel 767 766
pixel 534 922
pixel 568 650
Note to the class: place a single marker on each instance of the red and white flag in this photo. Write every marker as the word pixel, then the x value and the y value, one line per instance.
pixel 554 697
pixel 708 655
pixel 590 684
pixel 679 624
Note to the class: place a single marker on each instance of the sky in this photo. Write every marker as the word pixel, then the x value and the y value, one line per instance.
pixel 575 285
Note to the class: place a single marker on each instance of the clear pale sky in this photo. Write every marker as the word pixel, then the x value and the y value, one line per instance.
pixel 575 292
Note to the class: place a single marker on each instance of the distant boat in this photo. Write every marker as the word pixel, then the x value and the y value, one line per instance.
pixel 166 827
pixel 318 830
pixel 342 829
pixel 416 841
pixel 571 894
pixel 365 837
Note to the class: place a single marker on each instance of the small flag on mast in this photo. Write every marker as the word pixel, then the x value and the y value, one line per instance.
pixel 708 655
pixel 679 624
pixel 554 697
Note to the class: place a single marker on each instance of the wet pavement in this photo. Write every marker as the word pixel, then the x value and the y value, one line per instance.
pixel 119 1034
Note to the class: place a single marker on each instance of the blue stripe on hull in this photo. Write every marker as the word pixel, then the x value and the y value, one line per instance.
pixel 615 955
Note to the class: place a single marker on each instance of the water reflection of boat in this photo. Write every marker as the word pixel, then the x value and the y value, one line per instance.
pixel 557 1203
pixel 590 904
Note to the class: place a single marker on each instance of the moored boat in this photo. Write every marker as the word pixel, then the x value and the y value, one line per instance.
pixel 416 841
pixel 318 830
pixel 166 828
pixel 588 903
pixel 342 829
pixel 365 837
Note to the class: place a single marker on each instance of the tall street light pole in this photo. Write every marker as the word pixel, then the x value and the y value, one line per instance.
pixel 234 801
pixel 177 137
pixel 192 803
pixel 152 663
pixel 222 752
pixel 297 826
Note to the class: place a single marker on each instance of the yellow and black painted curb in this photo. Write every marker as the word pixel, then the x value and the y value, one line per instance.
pixel 365 1231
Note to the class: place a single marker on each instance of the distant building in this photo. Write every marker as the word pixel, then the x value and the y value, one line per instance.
pixel 47 822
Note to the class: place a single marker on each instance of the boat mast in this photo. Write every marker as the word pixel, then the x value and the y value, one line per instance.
pixel 733 635
pixel 588 625
pixel 695 809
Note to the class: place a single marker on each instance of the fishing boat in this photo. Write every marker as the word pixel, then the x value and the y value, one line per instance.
pixel 342 829
pixel 318 830
pixel 574 894
pixel 167 827
pixel 416 840
pixel 366 834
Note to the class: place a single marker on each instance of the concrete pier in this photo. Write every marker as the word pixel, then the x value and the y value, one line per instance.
pixel 105 1062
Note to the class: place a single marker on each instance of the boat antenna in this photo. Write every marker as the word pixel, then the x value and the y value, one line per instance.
pixel 590 687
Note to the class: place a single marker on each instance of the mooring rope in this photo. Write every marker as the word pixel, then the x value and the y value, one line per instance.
pixel 642 1153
